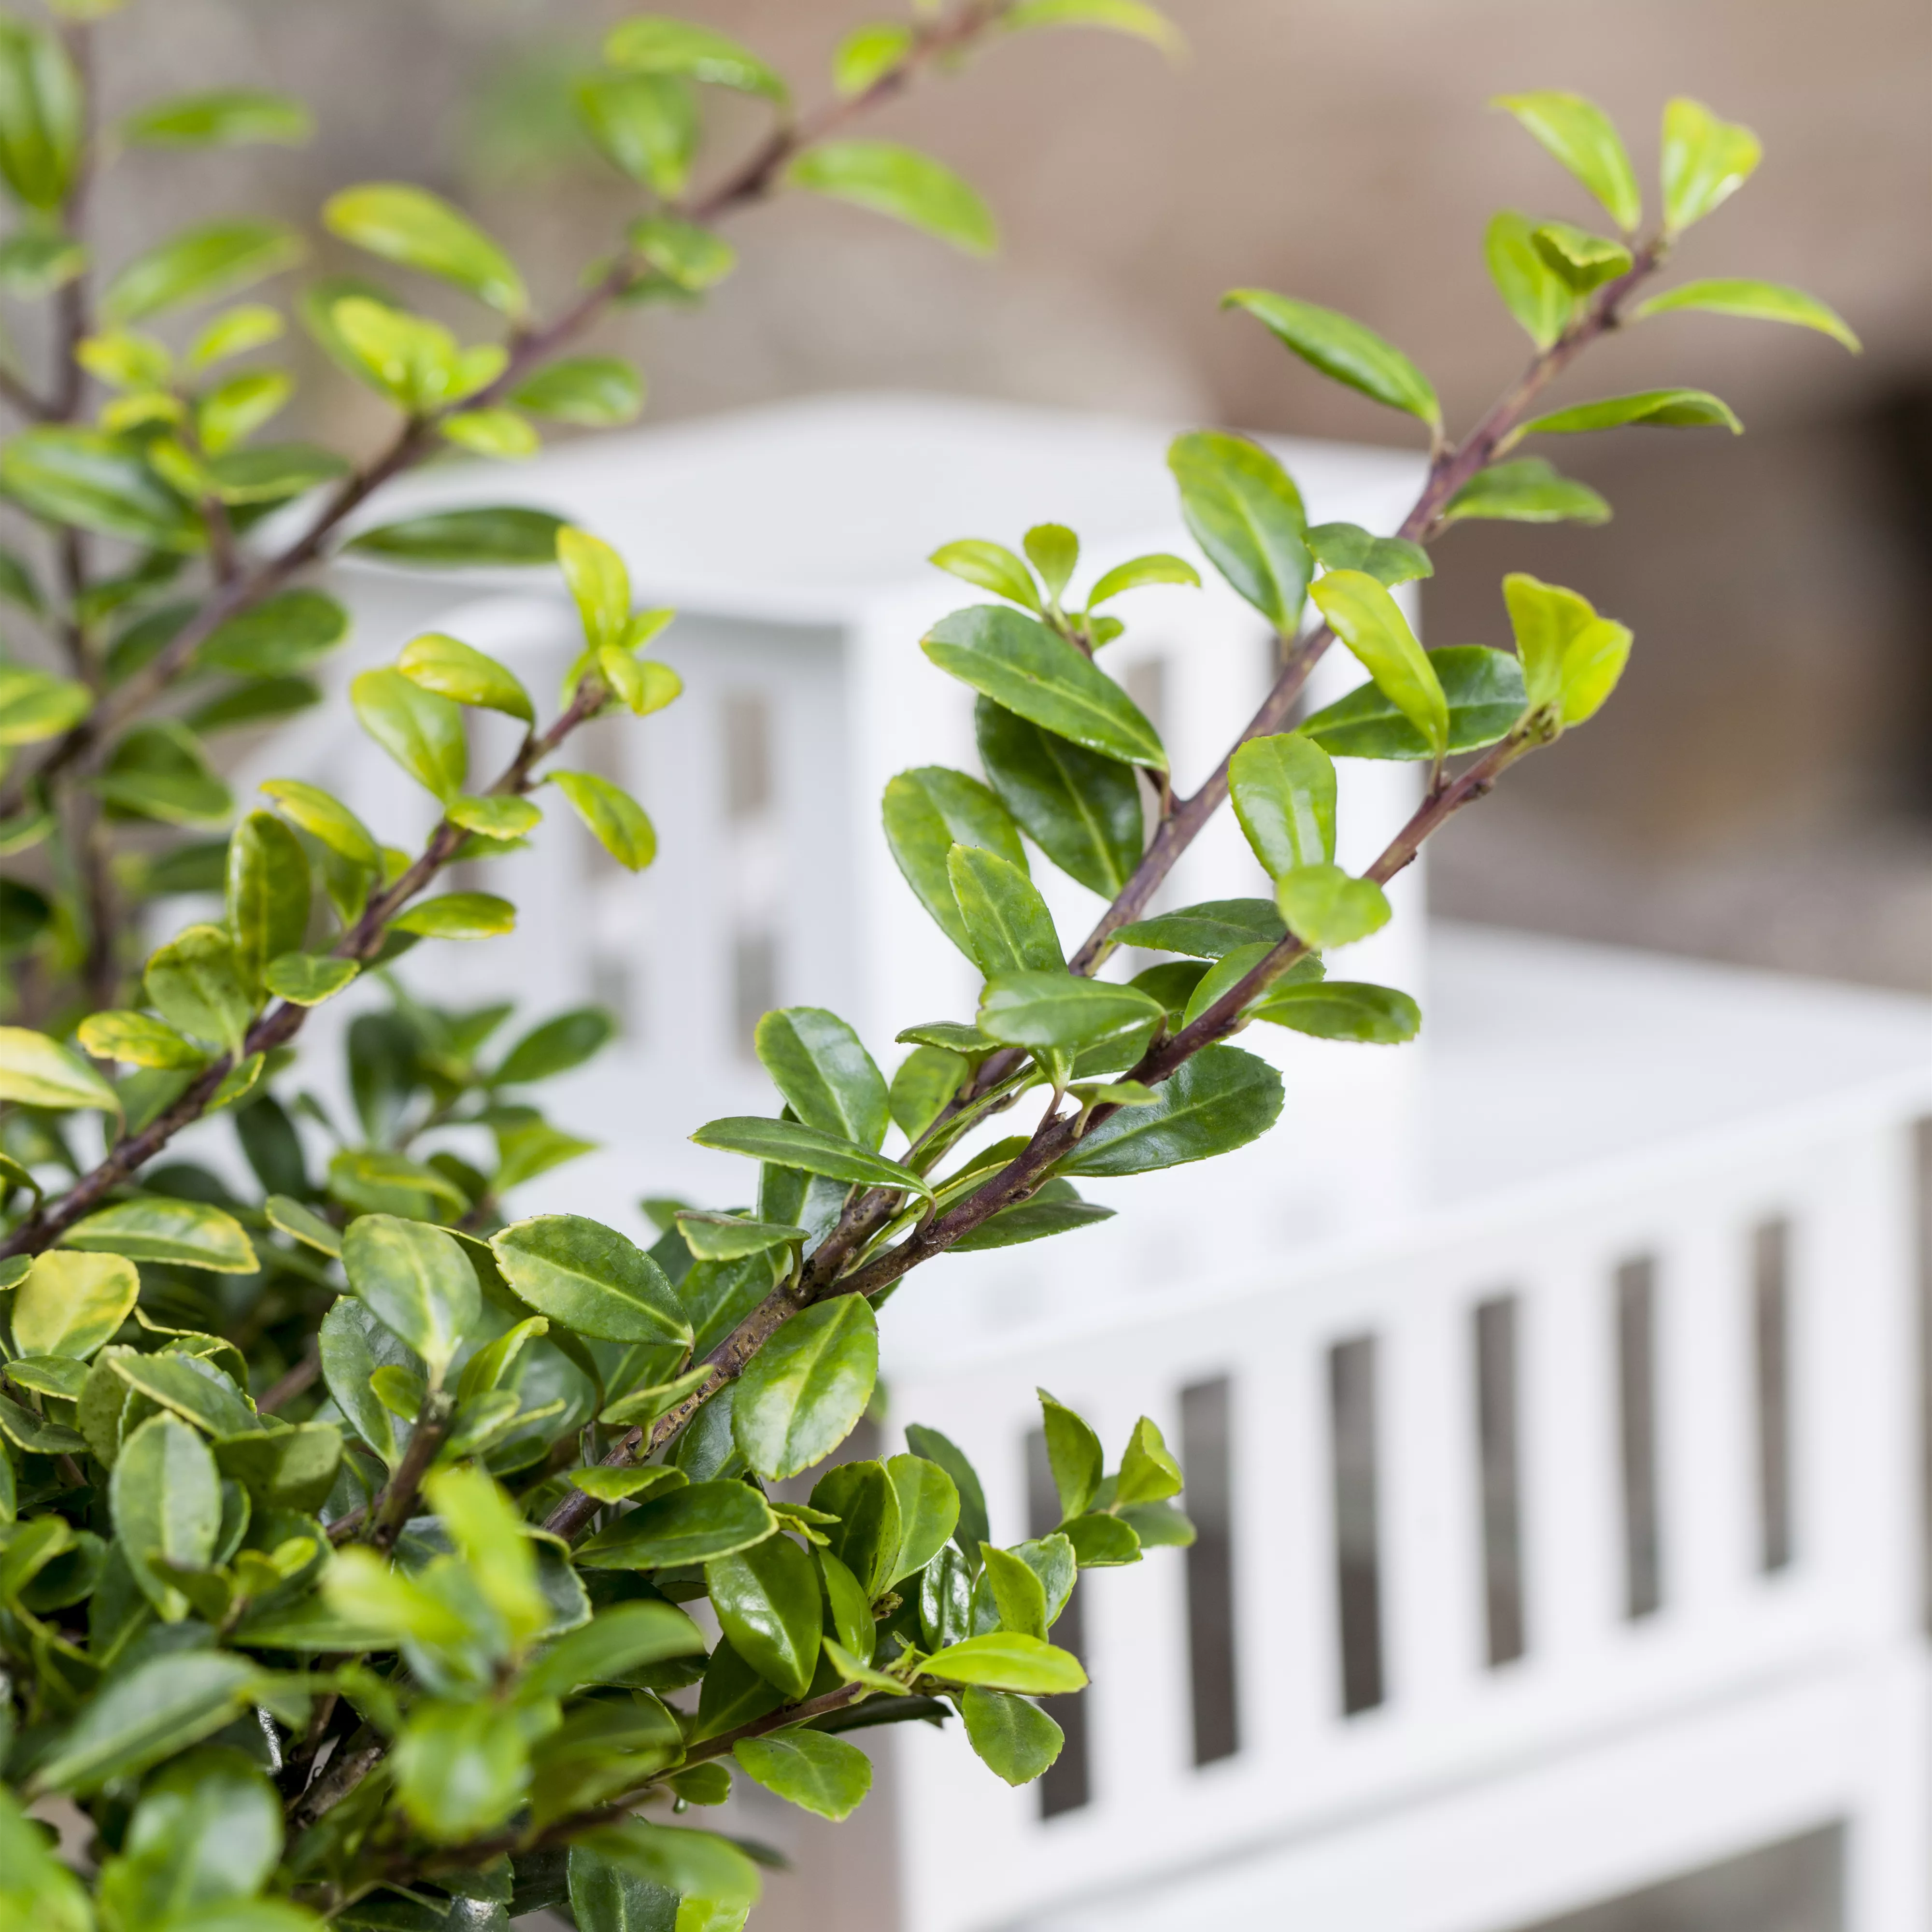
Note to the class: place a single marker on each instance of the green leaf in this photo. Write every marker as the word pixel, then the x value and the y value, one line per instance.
pixel 1571 658
pixel 694 1525
pixel 1584 261
pixel 291 1469
pixel 191 1234
pixel 1054 551
pixel 96 482
pixel 422 729
pixel 645 124
pixel 729 1238
pixel 767 1602
pixel 1209 931
pixel 1484 690
pixel 200 264
pixel 688 256
pixel 1283 790
pixel 717 1884
pixel 605 1897
pixel 1389 560
pixel 194 1389
pixel 160 771
pixel 1583 138
pixel 38 1072
pixel 352 1344
pixel 1705 161
pixel 273 474
pixel 308 979
pixel 154 1711
pixel 792 1144
pixel 860 1502
pixel 1219 1100
pixel 1756 301
pixel 1325 906
pixel 287 634
pixel 508 535
pixel 822 1070
pixel 1133 17
pixel 302 1224
pixel 1138 572
pixel 1343 1009
pixel 902 183
pixel 268 892
pixel 35 706
pixel 868 54
pixel 136 1040
pixel 1016 1740
pixel 1073 1454
pixel 590 1279
pixel 821 1774
pixel 1056 1009
pixel 197 982
pixel 34 265
pixel 407 224
pixel 1083 810
pixel 1148 1474
pixel 1018 1593
pixel 1052 1208
pixel 567 1040
pixel 652 43
pixel 1532 291
pixel 166 1495
pixel 1527 491
pixel 803 1393
pixel 224 117
pixel 454 669
pixel 419 1283
pixel 929 810
pixel 489 1536
pixel 612 1485
pixel 325 818
pixel 1008 927
pixel 928 1513
pixel 498 433
pixel 1223 977
pixel 1672 409
pixel 207 1832
pixel 592 392
pixel 1246 513
pixel 620 823
pixel 992 566
pixel 928 1078
pixel 459 1769
pixel 1343 349
pixel 234 332
pixel 613 1644
pixel 42 118
pixel 971 1530
pixel 70 1304
pixel 1004 1661
pixel 1367 619
pixel 458 916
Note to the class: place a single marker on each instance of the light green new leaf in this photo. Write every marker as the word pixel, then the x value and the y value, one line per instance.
pixel 821 1774
pixel 1343 1009
pixel 201 264
pixel 1043 1009
pixel 1389 560
pixel 689 257
pixel 419 1283
pixel 197 981
pixel 511 534
pixel 1004 1661
pixel 1584 261
pixel 326 819
pixel 646 125
pixel 70 1304
pixel 1527 491
pixel 1325 906
pixel 490 1536
pixel 1019 1595
pixel 1219 1100
pixel 1054 551
pixel 1705 161
pixel 495 815
pixel 621 825
pixel 1666 409
pixel 457 670
pixel 1073 1455
pixel 136 1040
pixel 868 54
pixel 422 730
pixel 902 183
pixel 1246 513
pixel 767 1601
pixel 929 810
pixel 992 566
pixel 693 1525
pixel 268 892
pixel 1342 349
pixel 793 1144
pixel 1008 927
pixel 1367 619
pixel 804 1391
pixel 459 1769
pixel 614 1643
pixel 1541 300
pixel 1157 567
pixel 1584 138
pixel 458 916
pixel 189 1233
pixel 96 482
pixel 34 705
pixel 1572 658
pixel 407 224
pixel 599 584
pixel 38 1072
pixel 592 392
pixel 1148 1473
pixel 1283 790
pixel 1014 1739
pixel 591 1280
pixel 226 117
pixel 1756 301
pixel 1082 809
pixel 1121 16
pixel 152 1713
pixel 42 118
pixel 652 43
pixel 821 1068
pixel 166 1496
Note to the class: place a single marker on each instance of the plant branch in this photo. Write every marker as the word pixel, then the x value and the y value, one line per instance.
pixel 393 1507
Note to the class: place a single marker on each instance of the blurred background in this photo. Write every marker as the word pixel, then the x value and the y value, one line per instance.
pixel 1762 789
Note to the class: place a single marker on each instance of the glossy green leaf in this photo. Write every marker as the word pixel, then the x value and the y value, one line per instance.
pixel 288 633
pixel 1367 619
pixel 1008 927
pixel 1042 1010
pixel 1706 161
pixel 1246 513
pixel 1073 1454
pixel 1283 790
pixel 1343 349
pixel 407 224
pixel 458 916
pixel 590 1279
pixel 927 1078
pixel 619 823
pixel 1148 1473
pixel 42 118
pixel 1004 1661
pixel 509 534
pixel 1756 301
pixel 456 670
pixel 268 892
pixel 1670 409
pixel 902 183
pixel 612 1644
pixel 971 1529
pixel 1484 689
pixel 352 1344
pixel 927 811
pixel 35 706
pixel 69 1304
pixel 38 1072
pixel 1223 977
pixel 1527 491
pixel 653 43
pixel 1541 299
pixel 1082 809
pixel 308 979
pixel 96 482
pixel 1389 560
pixel 604 1897
pixel 1017 1593
pixel 1583 138
pixel 728 1237
pixel 822 1774
pixel 1054 551
pixel 197 981
pixel 716 1883
pixel 693 1525
pixel 1137 573
pixel 459 1769
pixel 422 730
pixel 325 818
pixel 200 264
pixel 1013 1739
pixel 1325 906
pixel 156 1710
pixel 1343 1009
pixel 992 567
pixel 863 1530
pixel 1133 17
pixel 1219 1100
pixel 592 391
pixel 302 1224
pixel 417 1280
pixel 1209 931
pixel 822 1070
pixel 804 1390
pixel 1052 1208
pixel 928 1513
pixel 767 1601
pixel 1571 658
pixel 1583 261
pixel 191 1234
pixel 192 1388
pixel 166 1495
pixel 792 1144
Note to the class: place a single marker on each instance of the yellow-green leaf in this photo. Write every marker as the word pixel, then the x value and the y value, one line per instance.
pixel 422 729
pixel 1585 140
pixel 407 224
pixel 620 823
pixel 1705 161
pixel 1756 301
pixel 1367 619
pixel 457 670
pixel 902 183
pixel 38 1072
pixel 71 1304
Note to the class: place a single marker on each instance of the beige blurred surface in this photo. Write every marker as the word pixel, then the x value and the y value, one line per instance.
pixel 1758 789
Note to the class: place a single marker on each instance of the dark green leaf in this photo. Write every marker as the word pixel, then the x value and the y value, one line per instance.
pixel 461 538
pixel 1053 1208
pixel 417 1280
pixel 555 1047
pixel 257 702
pixel 590 1278
pixel 792 1144
pixel 1220 1099
pixel 96 482
pixel 710 1874
pixel 199 265
pixel 729 1237
pixel 594 391
pixel 155 1710
pixel 693 1525
pixel 928 1078
pixel 927 812
pixel 1008 926
pixel 1389 560
pixel 1246 513
pixel 1211 930
pixel 826 1077
pixel 1485 693
pixel 804 1390
pixel 1041 1009
pixel 160 771
pixel 1342 349
pixel 866 1536
pixel 604 1897
pixel 767 1601
pixel 1082 810
pixel 971 1530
